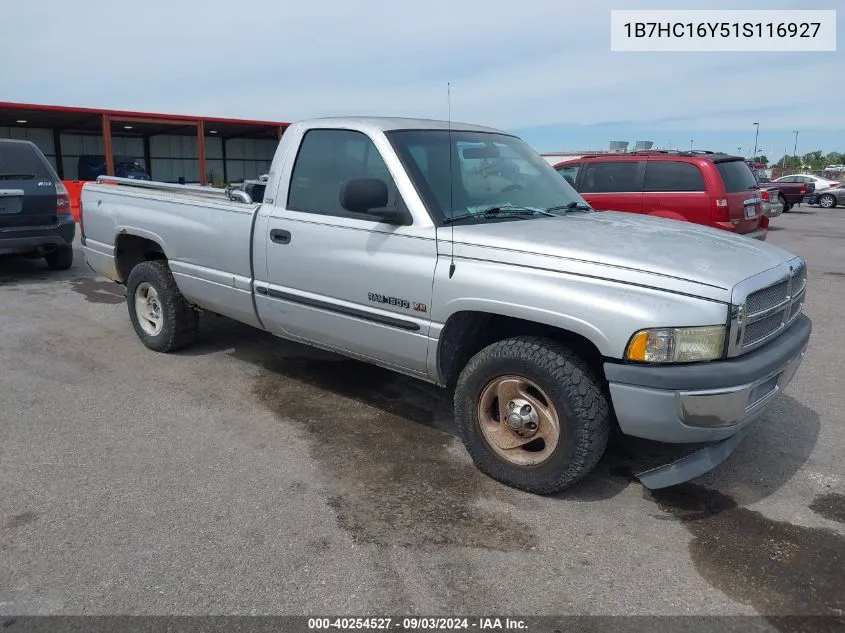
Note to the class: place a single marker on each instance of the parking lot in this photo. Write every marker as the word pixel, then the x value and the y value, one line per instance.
pixel 250 475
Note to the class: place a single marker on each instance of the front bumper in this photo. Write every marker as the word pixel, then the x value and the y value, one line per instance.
pixel 28 239
pixel 705 402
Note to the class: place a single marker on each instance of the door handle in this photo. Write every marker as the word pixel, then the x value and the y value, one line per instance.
pixel 279 236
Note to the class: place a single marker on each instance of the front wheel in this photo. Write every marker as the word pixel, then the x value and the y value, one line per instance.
pixel 827 201
pixel 531 414
pixel 162 318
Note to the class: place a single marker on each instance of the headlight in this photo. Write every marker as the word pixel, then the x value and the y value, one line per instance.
pixel 677 344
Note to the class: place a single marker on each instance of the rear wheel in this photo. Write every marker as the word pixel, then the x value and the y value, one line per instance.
pixel 827 201
pixel 60 259
pixel 161 316
pixel 782 201
pixel 531 414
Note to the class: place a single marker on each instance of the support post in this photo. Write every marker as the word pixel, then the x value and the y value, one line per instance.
pixel 201 151
pixel 148 163
pixel 107 145
pixel 57 152
pixel 225 167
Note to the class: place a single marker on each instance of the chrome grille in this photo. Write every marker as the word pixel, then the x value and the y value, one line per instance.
pixel 758 330
pixel 771 310
pixel 767 297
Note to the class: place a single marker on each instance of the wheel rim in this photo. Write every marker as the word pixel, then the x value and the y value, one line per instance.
pixel 826 201
pixel 518 420
pixel 148 309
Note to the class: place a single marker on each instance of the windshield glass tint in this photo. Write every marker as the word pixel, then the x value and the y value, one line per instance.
pixel 736 175
pixel 487 170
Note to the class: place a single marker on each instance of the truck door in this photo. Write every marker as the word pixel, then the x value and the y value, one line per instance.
pixel 340 279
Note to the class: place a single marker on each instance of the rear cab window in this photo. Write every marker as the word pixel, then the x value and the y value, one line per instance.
pixel 736 175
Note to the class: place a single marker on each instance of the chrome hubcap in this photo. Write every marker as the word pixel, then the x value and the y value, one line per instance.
pixel 148 309
pixel 518 420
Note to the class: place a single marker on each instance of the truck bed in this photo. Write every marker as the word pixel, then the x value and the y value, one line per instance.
pixel 205 234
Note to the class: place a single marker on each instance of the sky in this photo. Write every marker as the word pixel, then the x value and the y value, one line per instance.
pixel 540 68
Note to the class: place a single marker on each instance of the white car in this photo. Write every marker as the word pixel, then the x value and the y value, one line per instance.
pixel 821 183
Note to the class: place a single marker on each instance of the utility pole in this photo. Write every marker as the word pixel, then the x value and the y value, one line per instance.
pixel 739 151
pixel 691 142
pixel 783 162
pixel 756 134
pixel 795 149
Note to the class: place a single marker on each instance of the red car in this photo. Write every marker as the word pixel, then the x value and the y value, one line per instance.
pixel 717 190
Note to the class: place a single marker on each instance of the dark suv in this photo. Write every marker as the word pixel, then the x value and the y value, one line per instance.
pixel 35 213
pixel 717 190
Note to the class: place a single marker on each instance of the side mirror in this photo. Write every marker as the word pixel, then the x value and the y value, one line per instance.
pixel 369 195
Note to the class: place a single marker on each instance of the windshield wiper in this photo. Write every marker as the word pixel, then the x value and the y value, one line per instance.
pixel 575 205
pixel 499 212
pixel 20 176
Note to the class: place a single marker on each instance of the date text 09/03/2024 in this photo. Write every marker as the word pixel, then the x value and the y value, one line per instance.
pixel 417 623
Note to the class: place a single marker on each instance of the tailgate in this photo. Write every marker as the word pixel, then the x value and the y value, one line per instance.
pixel 27 188
pixel 742 193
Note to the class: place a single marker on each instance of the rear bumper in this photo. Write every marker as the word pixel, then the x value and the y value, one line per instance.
pixel 708 402
pixel 757 234
pixel 25 240
pixel 772 209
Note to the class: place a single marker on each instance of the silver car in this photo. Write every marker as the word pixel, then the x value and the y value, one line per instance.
pixel 829 198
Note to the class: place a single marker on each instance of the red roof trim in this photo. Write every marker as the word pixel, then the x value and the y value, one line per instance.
pixel 129 113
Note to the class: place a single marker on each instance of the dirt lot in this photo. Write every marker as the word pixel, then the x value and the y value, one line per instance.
pixel 250 475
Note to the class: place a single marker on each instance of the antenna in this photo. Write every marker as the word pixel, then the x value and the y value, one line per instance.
pixel 451 177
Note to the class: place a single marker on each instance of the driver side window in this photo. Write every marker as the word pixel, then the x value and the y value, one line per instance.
pixel 327 159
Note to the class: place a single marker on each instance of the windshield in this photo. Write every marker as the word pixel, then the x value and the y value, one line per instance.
pixel 488 170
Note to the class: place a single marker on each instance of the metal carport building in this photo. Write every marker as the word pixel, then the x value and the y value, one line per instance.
pixel 172 148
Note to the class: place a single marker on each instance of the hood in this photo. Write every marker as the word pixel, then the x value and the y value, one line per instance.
pixel 614 244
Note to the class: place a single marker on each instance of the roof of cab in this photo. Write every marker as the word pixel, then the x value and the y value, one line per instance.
pixel 387 124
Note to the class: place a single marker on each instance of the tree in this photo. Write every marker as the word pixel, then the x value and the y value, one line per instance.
pixel 761 159
pixel 813 161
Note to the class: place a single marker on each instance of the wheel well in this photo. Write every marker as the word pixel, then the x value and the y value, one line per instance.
pixel 131 250
pixel 467 333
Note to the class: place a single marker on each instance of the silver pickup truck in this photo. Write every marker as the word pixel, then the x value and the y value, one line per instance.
pixel 455 254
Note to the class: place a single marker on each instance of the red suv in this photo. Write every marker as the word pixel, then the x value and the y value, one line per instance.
pixel 717 190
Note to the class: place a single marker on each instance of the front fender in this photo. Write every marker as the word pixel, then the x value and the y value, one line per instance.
pixel 604 312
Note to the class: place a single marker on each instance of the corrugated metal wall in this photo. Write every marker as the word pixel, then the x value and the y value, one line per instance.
pixel 76 145
pixel 171 157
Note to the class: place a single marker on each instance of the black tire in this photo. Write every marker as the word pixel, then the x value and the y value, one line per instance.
pixel 782 201
pixel 571 387
pixel 60 259
pixel 180 322
pixel 830 199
